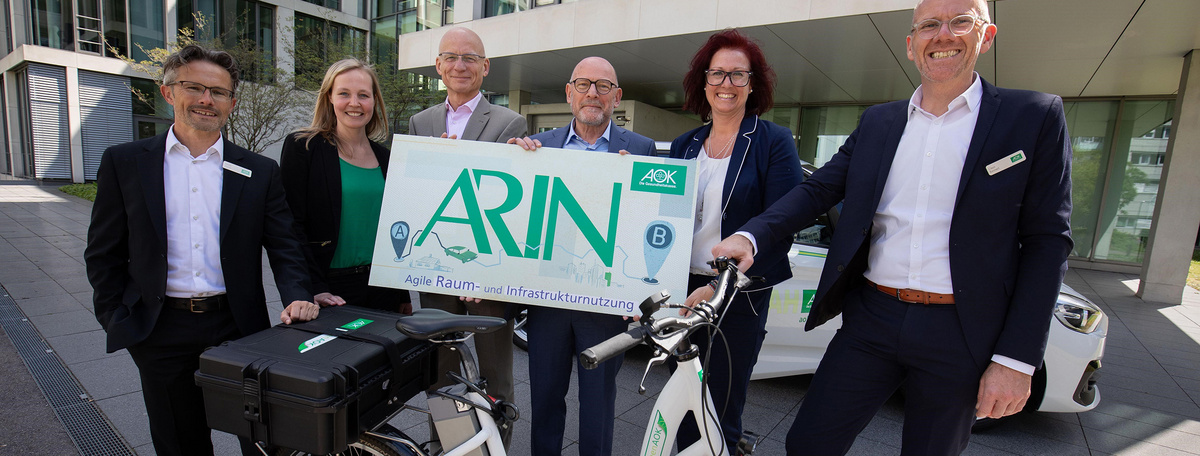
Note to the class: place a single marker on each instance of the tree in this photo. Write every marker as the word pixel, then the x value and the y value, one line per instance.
pixel 268 101
pixel 321 42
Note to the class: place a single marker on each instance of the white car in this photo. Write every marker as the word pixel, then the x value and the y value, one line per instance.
pixel 1066 382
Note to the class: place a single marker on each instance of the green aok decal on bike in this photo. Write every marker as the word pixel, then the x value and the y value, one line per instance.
pixel 700 375
pixel 656 445
pixel 357 324
pixel 315 342
pixel 546 199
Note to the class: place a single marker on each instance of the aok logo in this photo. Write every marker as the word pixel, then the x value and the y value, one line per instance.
pixel 546 199
pixel 656 444
pixel 658 178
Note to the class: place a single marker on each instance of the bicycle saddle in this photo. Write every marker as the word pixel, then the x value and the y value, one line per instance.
pixel 425 324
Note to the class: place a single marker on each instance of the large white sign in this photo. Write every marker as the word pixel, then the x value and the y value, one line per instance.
pixel 580 230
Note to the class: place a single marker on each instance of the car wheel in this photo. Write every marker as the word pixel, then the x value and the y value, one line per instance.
pixel 520 338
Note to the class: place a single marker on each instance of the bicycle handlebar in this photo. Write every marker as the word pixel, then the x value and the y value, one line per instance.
pixel 592 357
pixel 703 312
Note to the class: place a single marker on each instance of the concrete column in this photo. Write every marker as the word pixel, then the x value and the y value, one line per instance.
pixel 75 123
pixel 518 98
pixel 1169 249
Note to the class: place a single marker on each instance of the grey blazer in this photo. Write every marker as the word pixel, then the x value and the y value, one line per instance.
pixel 487 123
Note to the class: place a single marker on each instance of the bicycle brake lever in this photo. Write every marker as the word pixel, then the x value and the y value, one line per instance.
pixel 659 358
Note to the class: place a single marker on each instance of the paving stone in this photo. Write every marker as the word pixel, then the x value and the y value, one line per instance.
pixel 82 347
pixel 128 415
pixel 46 305
pixel 26 290
pixel 58 324
pixel 108 377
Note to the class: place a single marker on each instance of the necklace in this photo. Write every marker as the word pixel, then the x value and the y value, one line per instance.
pixel 720 154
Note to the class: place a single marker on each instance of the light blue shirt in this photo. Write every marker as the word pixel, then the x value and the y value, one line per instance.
pixel 574 142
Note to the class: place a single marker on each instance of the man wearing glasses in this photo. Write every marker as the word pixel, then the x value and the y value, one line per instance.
pixel 466 114
pixel 950 249
pixel 556 336
pixel 174 251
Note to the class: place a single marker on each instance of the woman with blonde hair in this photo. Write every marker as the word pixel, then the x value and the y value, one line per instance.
pixel 333 172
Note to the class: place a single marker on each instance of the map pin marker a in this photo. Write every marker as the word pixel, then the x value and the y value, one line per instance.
pixel 399 238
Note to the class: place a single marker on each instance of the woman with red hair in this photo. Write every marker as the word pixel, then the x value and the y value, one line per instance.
pixel 744 164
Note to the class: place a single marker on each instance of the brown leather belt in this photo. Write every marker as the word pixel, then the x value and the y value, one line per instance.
pixel 913 296
pixel 199 305
pixel 342 272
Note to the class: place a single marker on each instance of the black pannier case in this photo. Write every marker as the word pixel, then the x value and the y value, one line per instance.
pixel 314 386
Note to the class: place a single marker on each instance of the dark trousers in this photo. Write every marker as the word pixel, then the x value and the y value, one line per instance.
pixel 167 361
pixel 494 350
pixel 556 336
pixel 885 344
pixel 355 290
pixel 744 328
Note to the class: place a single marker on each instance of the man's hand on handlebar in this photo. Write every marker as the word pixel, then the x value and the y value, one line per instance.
pixel 736 248
pixel 299 311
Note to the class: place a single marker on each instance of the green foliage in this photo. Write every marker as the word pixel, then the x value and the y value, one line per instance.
pixel 85 191
pixel 1193 279
pixel 267 97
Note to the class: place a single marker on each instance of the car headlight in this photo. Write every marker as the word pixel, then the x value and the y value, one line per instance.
pixel 1077 314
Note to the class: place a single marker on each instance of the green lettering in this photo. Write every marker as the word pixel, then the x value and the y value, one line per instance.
pixel 511 200
pixel 561 196
pixel 462 187
pixel 537 216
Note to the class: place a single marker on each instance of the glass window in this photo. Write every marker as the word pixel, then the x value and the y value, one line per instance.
pixel 1135 166
pixel 500 7
pixel 384 44
pixel 331 4
pixel 823 129
pixel 784 117
pixel 51 24
pixel 146 27
pixel 1090 124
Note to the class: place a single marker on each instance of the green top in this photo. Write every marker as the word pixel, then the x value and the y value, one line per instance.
pixel 362 198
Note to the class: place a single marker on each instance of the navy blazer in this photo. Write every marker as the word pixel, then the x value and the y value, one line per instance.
pixel 618 139
pixel 764 166
pixel 126 254
pixel 312 177
pixel 1009 236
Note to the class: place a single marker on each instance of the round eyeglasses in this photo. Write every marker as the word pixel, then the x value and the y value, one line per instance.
pixel 737 78
pixel 603 86
pixel 958 25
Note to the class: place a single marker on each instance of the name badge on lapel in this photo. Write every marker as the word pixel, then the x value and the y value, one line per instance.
pixel 237 169
pixel 1006 162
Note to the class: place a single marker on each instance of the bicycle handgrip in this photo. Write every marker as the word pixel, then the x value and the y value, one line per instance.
pixel 620 343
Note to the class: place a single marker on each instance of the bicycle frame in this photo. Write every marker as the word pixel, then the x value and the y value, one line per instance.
pixel 680 395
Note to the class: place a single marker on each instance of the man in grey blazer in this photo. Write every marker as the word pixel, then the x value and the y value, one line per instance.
pixel 466 114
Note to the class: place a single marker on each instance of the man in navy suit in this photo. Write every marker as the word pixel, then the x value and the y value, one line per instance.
pixel 949 252
pixel 174 252
pixel 556 336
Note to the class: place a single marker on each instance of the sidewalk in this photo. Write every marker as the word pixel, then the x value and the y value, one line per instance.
pixel 1150 383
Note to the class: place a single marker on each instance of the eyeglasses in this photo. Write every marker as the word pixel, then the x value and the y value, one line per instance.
pixel 603 86
pixel 959 26
pixel 737 78
pixel 452 58
pixel 197 89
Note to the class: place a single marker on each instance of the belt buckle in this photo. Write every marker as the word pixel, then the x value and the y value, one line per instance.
pixel 192 306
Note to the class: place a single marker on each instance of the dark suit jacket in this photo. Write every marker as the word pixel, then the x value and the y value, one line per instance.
pixel 126 255
pixel 618 139
pixel 763 167
pixel 312 178
pixel 487 123
pixel 1009 236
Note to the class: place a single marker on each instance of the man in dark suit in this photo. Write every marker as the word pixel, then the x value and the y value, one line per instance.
pixel 466 114
pixel 556 336
pixel 174 252
pixel 949 252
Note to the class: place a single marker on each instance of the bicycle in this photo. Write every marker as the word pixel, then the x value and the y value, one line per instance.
pixel 686 390
pixel 468 421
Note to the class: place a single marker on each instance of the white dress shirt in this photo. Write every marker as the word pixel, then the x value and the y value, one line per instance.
pixel 192 190
pixel 707 231
pixel 456 119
